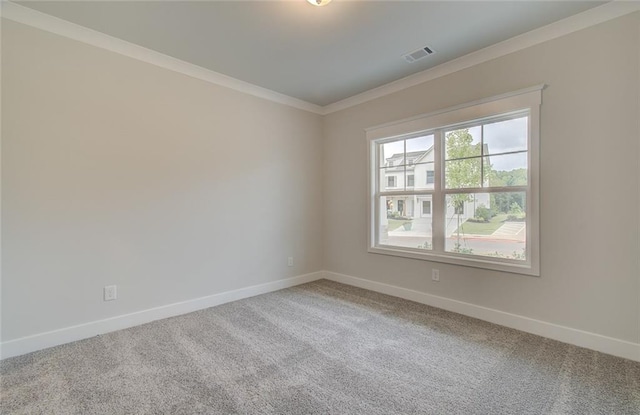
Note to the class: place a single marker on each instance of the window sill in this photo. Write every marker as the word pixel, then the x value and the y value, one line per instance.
pixel 448 258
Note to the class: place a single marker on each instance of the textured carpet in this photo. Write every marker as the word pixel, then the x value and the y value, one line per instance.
pixel 324 348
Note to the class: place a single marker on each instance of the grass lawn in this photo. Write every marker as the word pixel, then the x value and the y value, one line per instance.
pixel 395 224
pixel 487 228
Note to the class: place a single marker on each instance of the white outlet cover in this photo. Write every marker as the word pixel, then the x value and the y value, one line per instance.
pixel 435 275
pixel 110 292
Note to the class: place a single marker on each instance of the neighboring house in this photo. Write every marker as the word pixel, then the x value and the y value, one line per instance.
pixel 419 175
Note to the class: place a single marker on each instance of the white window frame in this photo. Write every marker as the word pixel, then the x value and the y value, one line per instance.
pixel 529 100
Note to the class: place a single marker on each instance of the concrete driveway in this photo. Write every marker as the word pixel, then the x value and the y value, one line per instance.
pixel 507 239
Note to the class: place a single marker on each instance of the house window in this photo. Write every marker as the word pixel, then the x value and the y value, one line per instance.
pixel 481 164
pixel 391 181
pixel 430 176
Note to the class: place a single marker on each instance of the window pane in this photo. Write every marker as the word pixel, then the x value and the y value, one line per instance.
pixel 419 149
pixel 460 174
pixel 424 175
pixel 392 179
pixel 405 221
pixel 411 179
pixel 506 136
pixel 392 154
pixel 506 170
pixel 476 196
pixel 462 143
pixel 486 224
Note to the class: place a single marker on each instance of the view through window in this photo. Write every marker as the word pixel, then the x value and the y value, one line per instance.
pixel 459 191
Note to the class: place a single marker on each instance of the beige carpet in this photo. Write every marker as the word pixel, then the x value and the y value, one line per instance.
pixel 323 348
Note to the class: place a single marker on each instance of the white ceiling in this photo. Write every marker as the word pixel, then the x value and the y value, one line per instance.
pixel 317 54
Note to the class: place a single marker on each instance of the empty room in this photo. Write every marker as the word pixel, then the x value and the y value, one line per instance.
pixel 320 207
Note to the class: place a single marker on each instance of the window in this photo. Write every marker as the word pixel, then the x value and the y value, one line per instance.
pixel 478 204
pixel 458 207
pixel 391 181
pixel 430 177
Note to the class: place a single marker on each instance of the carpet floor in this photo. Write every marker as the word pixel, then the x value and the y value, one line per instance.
pixel 321 347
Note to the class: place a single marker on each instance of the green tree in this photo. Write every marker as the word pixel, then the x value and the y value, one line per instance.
pixel 516 177
pixel 460 170
pixel 502 202
pixel 483 213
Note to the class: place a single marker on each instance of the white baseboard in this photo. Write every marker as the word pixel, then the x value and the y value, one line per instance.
pixel 41 341
pixel 569 335
pixel 593 341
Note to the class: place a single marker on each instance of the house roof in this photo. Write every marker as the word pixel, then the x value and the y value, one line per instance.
pixel 415 155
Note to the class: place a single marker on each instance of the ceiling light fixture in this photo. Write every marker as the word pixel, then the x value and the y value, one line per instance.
pixel 319 2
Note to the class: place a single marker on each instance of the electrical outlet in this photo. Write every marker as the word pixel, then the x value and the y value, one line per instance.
pixel 435 275
pixel 290 261
pixel 110 292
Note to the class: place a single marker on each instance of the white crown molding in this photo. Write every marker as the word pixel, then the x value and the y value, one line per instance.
pixel 92 37
pixel 39 20
pixel 581 338
pixel 554 30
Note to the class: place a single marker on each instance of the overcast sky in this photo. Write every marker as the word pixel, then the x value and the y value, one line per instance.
pixel 499 137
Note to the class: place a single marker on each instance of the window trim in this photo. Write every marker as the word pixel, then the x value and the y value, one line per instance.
pixel 430 207
pixel 433 177
pixel 528 99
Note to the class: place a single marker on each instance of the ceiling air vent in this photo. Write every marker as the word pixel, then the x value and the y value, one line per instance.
pixel 418 54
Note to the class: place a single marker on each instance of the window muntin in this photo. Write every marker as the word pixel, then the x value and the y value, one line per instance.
pixel 483 155
pixel 481 171
pixel 469 163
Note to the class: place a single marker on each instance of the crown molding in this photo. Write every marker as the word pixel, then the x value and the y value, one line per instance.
pixel 554 30
pixel 591 17
pixel 39 20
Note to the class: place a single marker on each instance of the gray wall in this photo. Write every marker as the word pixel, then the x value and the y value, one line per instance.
pixel 589 183
pixel 115 171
